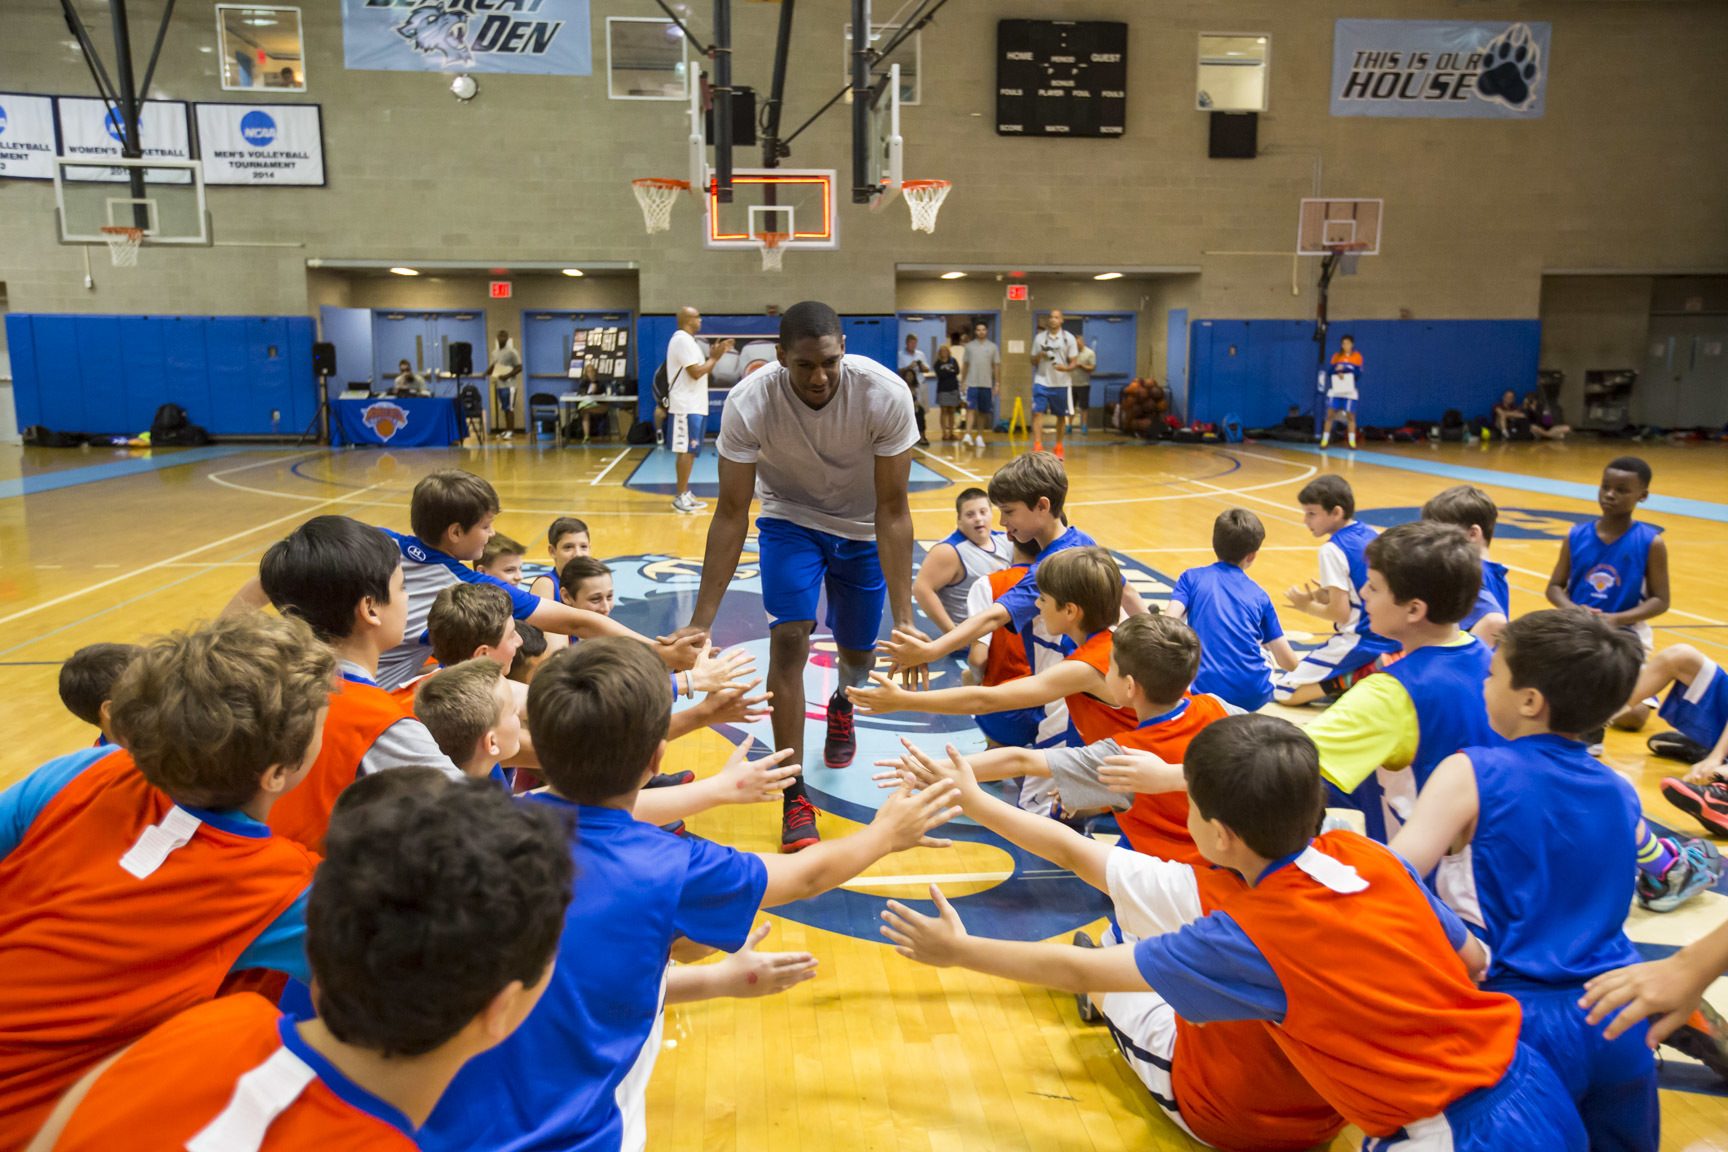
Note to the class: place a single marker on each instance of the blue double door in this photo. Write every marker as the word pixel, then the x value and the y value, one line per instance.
pixel 423 339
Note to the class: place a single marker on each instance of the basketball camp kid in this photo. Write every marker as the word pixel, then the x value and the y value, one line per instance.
pixel 1001 656
pixel 566 537
pixel 1233 616
pixel 87 680
pixel 502 559
pixel 1342 390
pixel 951 568
pixel 1697 706
pixel 1471 509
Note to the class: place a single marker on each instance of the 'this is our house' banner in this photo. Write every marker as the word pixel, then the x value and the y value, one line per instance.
pixel 1452 69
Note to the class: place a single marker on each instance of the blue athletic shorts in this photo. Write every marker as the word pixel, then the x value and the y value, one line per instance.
pixel 1526 1111
pixel 799 563
pixel 1341 403
pixel 1051 400
pixel 1016 729
pixel 684 433
pixel 981 399
pixel 1699 709
pixel 1613 1082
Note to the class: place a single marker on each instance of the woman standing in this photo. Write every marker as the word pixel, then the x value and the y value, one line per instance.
pixel 947 388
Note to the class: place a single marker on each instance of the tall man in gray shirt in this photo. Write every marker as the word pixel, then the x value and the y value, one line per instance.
pixel 981 377
pixel 825 441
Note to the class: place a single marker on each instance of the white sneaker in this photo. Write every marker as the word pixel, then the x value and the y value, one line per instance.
pixel 659 439
pixel 686 502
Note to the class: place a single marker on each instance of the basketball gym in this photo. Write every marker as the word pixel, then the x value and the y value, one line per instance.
pixel 315 231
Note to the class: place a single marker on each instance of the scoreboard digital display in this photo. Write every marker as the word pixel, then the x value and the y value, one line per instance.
pixel 1061 77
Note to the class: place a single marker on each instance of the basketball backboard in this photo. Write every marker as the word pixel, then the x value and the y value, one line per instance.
pixel 798 202
pixel 887 149
pixel 1326 225
pixel 171 209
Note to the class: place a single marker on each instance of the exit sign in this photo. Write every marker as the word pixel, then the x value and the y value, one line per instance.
pixel 1016 291
pixel 499 289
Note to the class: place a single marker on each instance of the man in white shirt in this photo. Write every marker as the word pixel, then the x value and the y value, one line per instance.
pixel 914 368
pixel 688 364
pixel 506 372
pixel 1053 353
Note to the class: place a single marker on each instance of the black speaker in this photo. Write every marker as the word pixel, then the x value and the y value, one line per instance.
pixel 1235 136
pixel 323 359
pixel 743 119
pixel 461 358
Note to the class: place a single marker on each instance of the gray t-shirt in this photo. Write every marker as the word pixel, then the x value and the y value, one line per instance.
pixel 816 467
pixel 982 356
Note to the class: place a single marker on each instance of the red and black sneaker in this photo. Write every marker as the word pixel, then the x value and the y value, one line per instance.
pixel 670 779
pixel 1704 1038
pixel 798 826
pixel 1705 803
pixel 842 743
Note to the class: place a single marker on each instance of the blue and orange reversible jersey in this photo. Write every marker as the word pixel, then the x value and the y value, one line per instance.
pixel 426 572
pixel 1157 824
pixel 119 908
pixel 360 711
pixel 1091 717
pixel 1021 600
pixel 1007 659
pixel 182 1086
pixel 1609 577
pixel 1347 363
pixel 1445 686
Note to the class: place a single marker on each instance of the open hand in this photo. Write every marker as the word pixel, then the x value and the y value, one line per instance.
pixel 748 973
pixel 682 649
pixel 883 696
pixel 1140 771
pixel 914 677
pixel 1706 771
pixel 736 706
pixel 711 673
pixel 909 653
pixel 755 781
pixel 1670 988
pixel 1305 595
pixel 907 816
pixel 934 940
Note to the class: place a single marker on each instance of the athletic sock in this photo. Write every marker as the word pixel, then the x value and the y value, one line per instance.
pixel 1655 854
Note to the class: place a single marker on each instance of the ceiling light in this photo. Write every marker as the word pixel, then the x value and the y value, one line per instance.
pixel 1108 276
pixel 406 271
pixel 572 271
pixel 260 21
pixel 953 275
pixel 1262 40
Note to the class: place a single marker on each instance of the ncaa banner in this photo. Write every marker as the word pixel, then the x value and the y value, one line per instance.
pixel 26 137
pixel 1450 69
pixel 88 128
pixel 273 145
pixel 549 37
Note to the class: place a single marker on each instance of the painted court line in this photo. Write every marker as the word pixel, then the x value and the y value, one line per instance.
pixel 609 467
pixel 934 878
pixel 72 477
pixel 966 472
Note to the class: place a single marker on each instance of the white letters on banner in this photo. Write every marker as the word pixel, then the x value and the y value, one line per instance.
pixel 26 137
pixel 261 145
pixel 1448 69
pixel 88 128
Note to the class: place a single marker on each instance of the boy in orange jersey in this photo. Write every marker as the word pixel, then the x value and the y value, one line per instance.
pixel 1080 599
pixel 1002 657
pixel 344 578
pixel 133 880
pixel 87 680
pixel 1367 977
pixel 432 931
pixel 1153 661
pixel 1227 1084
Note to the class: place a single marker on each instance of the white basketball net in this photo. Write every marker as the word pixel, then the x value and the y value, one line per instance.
pixel 924 199
pixel 656 198
pixel 123 245
pixel 773 245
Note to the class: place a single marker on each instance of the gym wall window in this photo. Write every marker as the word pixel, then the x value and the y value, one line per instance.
pixel 260 48
pixel 1235 69
pixel 645 59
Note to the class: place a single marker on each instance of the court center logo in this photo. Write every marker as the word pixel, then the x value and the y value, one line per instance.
pixel 385 418
pixel 258 129
pixel 433 28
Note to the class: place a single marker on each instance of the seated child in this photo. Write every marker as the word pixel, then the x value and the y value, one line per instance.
pixel 1233 616
pixel 529 655
pixel 471 711
pixel 87 681
pixel 598 710
pixel 99 940
pixel 1003 656
pixel 566 537
pixel 1470 508
pixel 502 559
pixel 344 578
pixel 965 556
pixel 1227 1084
pixel 1330 937
pixel 431 931
pixel 585 582
pixel 1079 598
pixel 1697 707
pixel 1549 896
pixel 1329 509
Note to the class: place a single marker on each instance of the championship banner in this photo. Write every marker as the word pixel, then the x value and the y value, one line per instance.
pixel 1450 69
pixel 548 37
pixel 88 128
pixel 26 137
pixel 272 145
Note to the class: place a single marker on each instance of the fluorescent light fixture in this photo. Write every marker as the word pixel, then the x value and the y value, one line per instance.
pixel 406 271
pixel 1108 276
pixel 572 271
pixel 953 275
pixel 260 21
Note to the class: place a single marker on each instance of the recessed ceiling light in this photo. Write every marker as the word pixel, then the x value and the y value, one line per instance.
pixel 406 271
pixel 1108 276
pixel 1262 40
pixel 572 271
pixel 953 275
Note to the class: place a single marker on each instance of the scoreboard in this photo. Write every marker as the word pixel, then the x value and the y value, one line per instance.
pixel 1061 77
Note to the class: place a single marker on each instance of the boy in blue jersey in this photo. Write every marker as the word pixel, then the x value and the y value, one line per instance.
pixel 1469 508
pixel 1549 895
pixel 1233 616
pixel 1329 509
pixel 1617 566
pixel 573 1077
pixel 1697 707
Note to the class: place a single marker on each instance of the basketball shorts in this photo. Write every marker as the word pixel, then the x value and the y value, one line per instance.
pixel 1699 709
pixel 1344 652
pixel 684 432
pixel 799 564
pixel 982 400
pixel 1613 1082
pixel 1082 395
pixel 1016 729
pixel 1051 400
pixel 1341 403
pixel 1527 1110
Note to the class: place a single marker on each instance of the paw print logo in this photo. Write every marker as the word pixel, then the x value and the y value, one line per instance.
pixel 1511 68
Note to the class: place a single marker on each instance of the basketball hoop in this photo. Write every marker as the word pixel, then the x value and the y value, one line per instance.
pixel 123 244
pixel 1346 255
pixel 924 199
pixel 773 249
pixel 656 197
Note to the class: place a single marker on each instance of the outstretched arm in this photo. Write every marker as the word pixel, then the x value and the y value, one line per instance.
pixel 1671 988
pixel 250 596
pixel 745 973
pixel 909 649
pixel 1065 679
pixel 1444 815
pixel 901 823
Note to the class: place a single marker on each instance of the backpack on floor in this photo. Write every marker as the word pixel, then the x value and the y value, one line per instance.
pixel 640 432
pixel 40 436
pixel 1232 428
pixel 169 418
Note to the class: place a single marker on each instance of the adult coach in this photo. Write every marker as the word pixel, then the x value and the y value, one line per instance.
pixel 981 376
pixel 1053 353
pixel 688 365
pixel 1341 393
pixel 825 440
